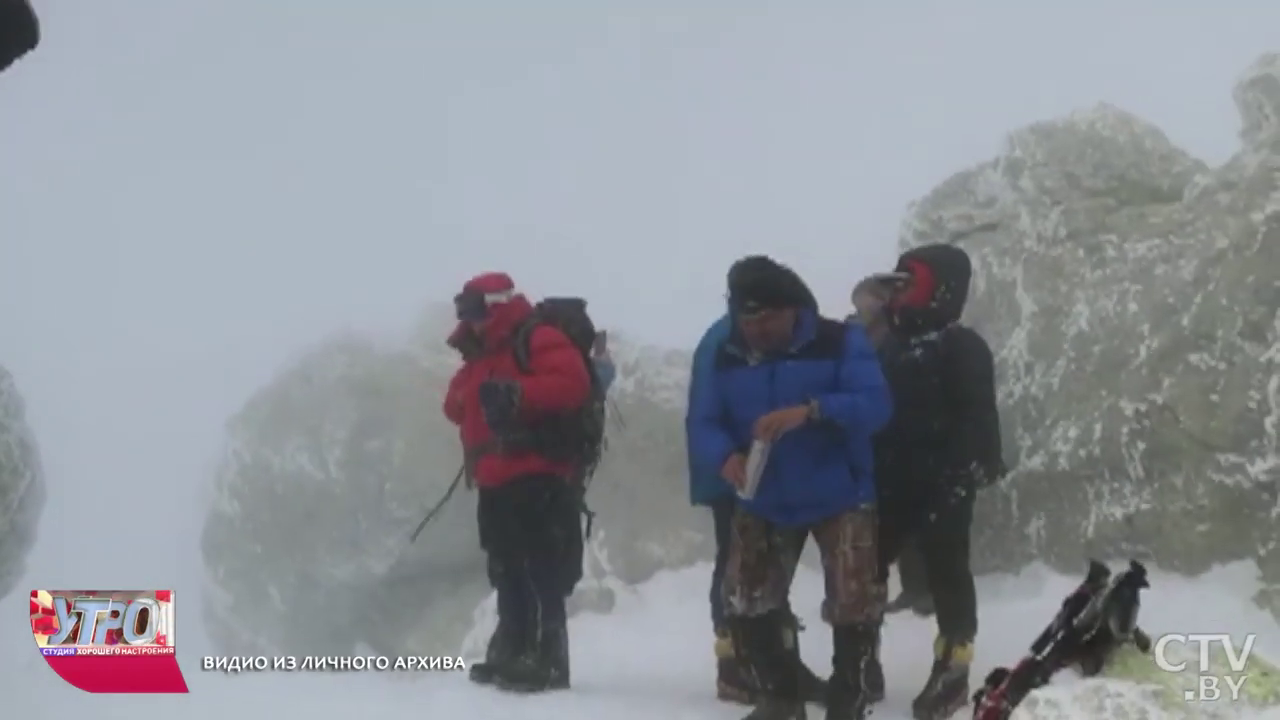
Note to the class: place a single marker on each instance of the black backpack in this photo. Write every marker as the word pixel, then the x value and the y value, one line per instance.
pixel 576 437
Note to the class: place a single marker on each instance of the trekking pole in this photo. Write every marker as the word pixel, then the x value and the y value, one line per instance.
pixel 457 479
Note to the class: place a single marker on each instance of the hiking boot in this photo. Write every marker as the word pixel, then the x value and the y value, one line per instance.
pixel 947 689
pixel 854 648
pixel 769 650
pixel 777 709
pixel 548 669
pixel 501 651
pixel 812 688
pixel 734 681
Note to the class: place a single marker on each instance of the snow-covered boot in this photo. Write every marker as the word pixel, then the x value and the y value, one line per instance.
pixel 734 681
pixel 502 650
pixel 763 647
pixel 546 668
pixel 947 689
pixel 855 648
pixel 812 688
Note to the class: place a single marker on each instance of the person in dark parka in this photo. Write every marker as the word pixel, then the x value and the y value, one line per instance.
pixel 942 444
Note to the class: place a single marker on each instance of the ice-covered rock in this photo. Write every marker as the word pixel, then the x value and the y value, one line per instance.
pixel 22 491
pixel 327 470
pixel 1130 293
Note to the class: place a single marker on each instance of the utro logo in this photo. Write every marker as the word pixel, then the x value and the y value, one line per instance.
pixel 1210 675
pixel 138 620
pixel 109 641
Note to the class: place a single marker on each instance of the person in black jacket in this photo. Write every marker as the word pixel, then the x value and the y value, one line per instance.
pixel 942 444
pixel 19 31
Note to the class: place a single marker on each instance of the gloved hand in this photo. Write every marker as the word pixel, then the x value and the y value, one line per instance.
pixel 500 401
pixel 466 342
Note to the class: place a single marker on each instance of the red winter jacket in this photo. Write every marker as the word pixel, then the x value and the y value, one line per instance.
pixel 557 382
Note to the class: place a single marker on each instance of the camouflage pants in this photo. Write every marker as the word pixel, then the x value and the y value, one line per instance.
pixel 763 559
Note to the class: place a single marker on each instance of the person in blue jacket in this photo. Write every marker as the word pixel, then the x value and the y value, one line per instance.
pixel 812 388
pixel 734 680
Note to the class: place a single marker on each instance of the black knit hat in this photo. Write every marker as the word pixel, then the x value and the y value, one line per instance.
pixel 760 283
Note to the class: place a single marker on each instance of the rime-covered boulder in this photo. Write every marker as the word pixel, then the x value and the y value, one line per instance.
pixel 22 490
pixel 327 470
pixel 1130 293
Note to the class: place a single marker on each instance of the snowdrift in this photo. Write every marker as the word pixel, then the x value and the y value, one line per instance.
pixel 652 657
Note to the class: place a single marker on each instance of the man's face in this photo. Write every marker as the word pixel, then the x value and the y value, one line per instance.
pixel 768 330
pixel 478 326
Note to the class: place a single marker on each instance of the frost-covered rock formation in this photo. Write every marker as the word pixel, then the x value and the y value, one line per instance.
pixel 22 490
pixel 328 469
pixel 1131 295
pixel 1130 292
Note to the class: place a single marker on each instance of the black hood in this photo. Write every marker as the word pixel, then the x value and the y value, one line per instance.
pixel 758 273
pixel 952 271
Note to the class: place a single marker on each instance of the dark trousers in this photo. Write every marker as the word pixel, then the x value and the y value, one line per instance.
pixel 523 530
pixel 722 514
pixel 911 570
pixel 938 524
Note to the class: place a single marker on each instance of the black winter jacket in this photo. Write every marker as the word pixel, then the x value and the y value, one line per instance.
pixel 945 432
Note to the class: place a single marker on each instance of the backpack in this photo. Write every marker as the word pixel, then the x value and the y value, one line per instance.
pixel 576 437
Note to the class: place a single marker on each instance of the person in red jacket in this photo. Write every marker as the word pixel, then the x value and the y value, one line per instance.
pixel 507 420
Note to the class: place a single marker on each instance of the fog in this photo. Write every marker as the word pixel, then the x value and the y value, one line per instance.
pixel 193 192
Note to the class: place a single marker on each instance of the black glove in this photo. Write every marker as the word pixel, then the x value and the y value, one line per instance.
pixel 500 400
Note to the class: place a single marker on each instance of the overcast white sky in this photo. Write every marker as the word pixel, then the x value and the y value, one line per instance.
pixel 192 191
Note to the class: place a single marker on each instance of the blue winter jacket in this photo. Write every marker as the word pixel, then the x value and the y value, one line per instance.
pixel 606 373
pixel 705 485
pixel 819 469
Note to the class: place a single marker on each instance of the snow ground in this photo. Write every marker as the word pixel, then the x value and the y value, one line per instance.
pixel 652 657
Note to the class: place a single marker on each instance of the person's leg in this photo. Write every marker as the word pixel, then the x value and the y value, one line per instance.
pixel 762 561
pixel 570 511
pixel 734 680
pixel 537 568
pixel 510 637
pixel 895 520
pixel 854 604
pixel 944 546
pixel 722 517
pixel 915 595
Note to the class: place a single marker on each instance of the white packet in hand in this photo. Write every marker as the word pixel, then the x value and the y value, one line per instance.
pixel 756 461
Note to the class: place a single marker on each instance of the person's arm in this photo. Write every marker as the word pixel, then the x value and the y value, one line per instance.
pixel 970 387
pixel 453 404
pixel 710 443
pixel 557 380
pixel 861 401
